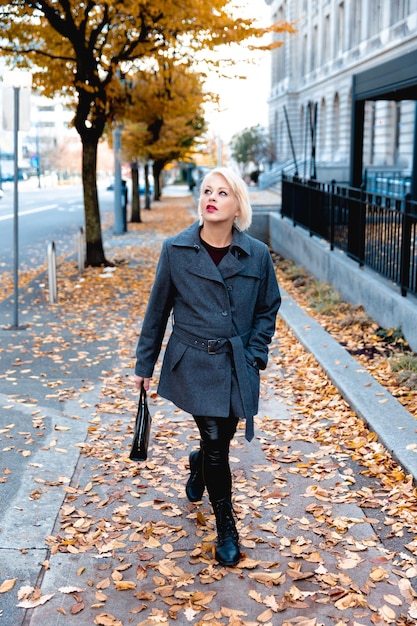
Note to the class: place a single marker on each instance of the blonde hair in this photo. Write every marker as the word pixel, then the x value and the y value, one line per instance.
pixel 239 189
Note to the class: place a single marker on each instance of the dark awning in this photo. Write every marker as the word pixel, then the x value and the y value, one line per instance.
pixel 392 80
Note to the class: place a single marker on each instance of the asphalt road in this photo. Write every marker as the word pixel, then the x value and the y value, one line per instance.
pixel 47 214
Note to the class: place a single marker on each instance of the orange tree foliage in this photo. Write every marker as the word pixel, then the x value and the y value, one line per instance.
pixel 164 118
pixel 80 48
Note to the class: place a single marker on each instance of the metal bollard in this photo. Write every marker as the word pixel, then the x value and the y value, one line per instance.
pixel 80 250
pixel 52 273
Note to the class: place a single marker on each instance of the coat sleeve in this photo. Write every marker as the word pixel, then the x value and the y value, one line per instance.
pixel 159 306
pixel 266 309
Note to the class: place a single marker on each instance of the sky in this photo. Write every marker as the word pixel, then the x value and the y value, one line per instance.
pixel 243 103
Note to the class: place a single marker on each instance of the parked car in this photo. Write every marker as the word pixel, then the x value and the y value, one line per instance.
pixel 9 178
pixel 142 185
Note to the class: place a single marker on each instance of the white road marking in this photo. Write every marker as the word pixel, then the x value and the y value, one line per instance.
pixel 40 209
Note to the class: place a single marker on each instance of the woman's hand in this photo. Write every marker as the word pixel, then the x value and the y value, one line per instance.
pixel 141 382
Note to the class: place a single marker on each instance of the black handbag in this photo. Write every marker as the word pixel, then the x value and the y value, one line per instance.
pixel 139 451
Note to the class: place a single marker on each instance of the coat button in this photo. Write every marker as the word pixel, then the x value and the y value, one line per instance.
pixel 224 313
pixel 229 287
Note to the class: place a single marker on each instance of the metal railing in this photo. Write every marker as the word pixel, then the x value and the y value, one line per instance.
pixel 374 229
pixel 389 182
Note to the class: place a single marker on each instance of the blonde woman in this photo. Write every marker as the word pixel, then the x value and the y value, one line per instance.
pixel 220 285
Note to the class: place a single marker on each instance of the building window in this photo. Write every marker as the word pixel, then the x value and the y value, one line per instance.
pixel 399 10
pixel 314 50
pixel 355 24
pixel 304 66
pixel 336 125
pixel 340 32
pixel 375 18
pixel 326 40
pixel 322 127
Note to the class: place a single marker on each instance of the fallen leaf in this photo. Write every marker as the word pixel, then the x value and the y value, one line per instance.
pixel 7 585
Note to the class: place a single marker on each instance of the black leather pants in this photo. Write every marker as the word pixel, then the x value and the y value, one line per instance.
pixel 216 434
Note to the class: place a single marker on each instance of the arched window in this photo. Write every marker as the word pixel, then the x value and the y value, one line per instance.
pixel 321 146
pixel 336 126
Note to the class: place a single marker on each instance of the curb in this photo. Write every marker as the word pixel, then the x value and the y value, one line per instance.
pixel 394 425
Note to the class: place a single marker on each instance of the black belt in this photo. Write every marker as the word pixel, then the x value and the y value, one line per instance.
pixel 234 345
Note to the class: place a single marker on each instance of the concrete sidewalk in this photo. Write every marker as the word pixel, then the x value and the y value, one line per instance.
pixel 126 546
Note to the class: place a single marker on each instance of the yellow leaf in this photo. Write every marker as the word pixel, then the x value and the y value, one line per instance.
pixel 275 578
pixel 406 590
pixel 167 547
pixel 378 573
pixel 255 596
pixel 123 585
pixel 394 600
pixel 387 614
pixel 7 585
pixel 266 616
pixel 100 597
pixel 348 563
pixel 152 543
pixel 412 611
pixel 349 601
pixel 106 619
pixel 103 584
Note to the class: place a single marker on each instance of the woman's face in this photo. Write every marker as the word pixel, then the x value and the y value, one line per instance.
pixel 218 203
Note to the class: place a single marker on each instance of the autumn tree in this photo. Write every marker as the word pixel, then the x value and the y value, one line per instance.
pixel 250 148
pixel 80 49
pixel 169 105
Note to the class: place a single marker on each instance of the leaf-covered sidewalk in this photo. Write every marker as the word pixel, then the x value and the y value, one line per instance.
pixel 327 519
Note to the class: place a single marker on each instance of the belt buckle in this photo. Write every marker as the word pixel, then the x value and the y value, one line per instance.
pixel 211 344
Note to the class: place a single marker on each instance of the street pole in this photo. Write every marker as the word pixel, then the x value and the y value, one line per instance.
pixel 1 171
pixel 38 158
pixel 16 119
pixel 118 213
pixel 16 93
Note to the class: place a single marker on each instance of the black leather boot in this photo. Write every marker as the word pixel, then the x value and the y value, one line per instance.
pixel 227 549
pixel 195 484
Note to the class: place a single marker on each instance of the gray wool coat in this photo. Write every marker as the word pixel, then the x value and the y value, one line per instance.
pixel 223 319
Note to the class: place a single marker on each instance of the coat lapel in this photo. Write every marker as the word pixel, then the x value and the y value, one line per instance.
pixel 201 263
pixel 230 266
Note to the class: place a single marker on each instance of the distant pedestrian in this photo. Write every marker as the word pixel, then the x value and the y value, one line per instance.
pixel 221 287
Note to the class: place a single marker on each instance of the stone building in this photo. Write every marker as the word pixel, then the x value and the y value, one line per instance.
pixel 310 105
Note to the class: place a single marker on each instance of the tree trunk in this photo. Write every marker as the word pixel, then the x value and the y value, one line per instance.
pixel 135 216
pixel 94 244
pixel 147 188
pixel 157 168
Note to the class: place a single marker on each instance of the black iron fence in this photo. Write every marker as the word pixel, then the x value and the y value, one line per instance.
pixel 374 229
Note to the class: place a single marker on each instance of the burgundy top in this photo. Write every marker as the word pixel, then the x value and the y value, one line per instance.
pixel 216 253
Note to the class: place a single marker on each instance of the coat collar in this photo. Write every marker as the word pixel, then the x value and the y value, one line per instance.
pixel 190 238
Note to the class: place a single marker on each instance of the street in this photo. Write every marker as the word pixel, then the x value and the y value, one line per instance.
pixel 45 215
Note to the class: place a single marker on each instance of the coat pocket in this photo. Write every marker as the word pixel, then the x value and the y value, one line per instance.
pixel 174 352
